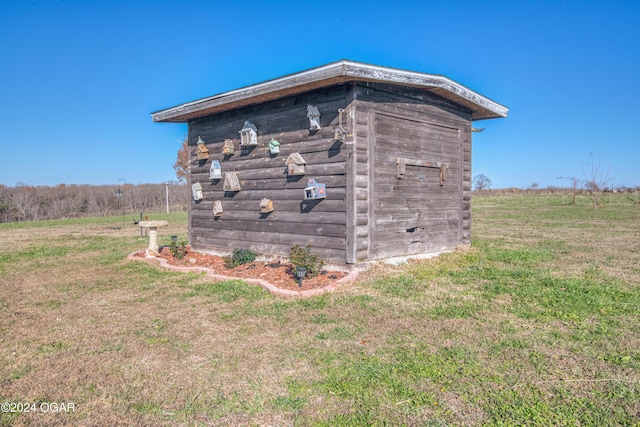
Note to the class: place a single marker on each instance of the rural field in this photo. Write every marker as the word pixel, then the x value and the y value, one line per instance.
pixel 537 324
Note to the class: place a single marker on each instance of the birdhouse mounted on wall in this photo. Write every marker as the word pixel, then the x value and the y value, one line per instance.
pixel 314 117
pixel 217 208
pixel 339 132
pixel 295 164
pixel 231 182
pixel 266 206
pixel 315 190
pixel 249 134
pixel 228 148
pixel 201 150
pixel 274 146
pixel 196 190
pixel 216 171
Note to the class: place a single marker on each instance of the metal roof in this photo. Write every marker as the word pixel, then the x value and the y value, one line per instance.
pixel 328 75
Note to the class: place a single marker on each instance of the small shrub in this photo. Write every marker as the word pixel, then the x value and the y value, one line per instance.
pixel 301 256
pixel 178 250
pixel 239 257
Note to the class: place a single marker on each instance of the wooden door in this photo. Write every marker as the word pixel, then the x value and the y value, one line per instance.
pixel 415 214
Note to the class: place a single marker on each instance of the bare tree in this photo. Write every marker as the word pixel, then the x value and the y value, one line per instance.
pixel 31 203
pixel 25 201
pixel 182 161
pixel 481 182
pixel 595 181
pixel 575 182
pixel 6 209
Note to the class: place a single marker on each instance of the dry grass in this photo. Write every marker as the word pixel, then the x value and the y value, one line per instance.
pixel 536 325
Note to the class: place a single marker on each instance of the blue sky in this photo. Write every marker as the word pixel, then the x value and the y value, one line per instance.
pixel 79 79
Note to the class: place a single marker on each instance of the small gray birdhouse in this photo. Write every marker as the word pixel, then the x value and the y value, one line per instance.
pixel 314 117
pixel 217 208
pixel 339 132
pixel 231 182
pixel 295 164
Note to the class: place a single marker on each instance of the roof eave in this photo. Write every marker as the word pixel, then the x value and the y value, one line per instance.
pixel 329 75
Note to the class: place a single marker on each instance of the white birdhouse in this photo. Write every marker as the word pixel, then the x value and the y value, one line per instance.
pixel 196 190
pixel 314 117
pixel 216 171
pixel 249 134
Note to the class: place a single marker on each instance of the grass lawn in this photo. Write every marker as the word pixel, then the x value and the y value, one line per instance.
pixel 537 324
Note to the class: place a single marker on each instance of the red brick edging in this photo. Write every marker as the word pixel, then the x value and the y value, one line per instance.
pixel 268 286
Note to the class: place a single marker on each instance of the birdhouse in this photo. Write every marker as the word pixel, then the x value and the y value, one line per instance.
pixel 216 171
pixel 249 134
pixel 339 133
pixel 315 190
pixel 196 189
pixel 266 206
pixel 201 150
pixel 217 208
pixel 228 149
pixel 274 146
pixel 295 164
pixel 314 117
pixel 231 182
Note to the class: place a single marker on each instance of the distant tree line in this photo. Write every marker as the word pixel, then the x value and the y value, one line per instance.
pixel 550 190
pixel 32 203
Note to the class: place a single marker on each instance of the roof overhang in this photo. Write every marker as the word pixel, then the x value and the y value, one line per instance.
pixel 330 75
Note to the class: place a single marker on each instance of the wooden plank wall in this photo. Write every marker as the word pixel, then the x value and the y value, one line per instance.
pixel 321 224
pixel 393 123
pixel 363 133
pixel 466 184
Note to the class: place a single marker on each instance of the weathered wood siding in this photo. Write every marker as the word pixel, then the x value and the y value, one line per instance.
pixel 369 213
pixel 412 215
pixel 322 224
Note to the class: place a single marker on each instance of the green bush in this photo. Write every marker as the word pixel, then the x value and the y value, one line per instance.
pixel 301 256
pixel 178 250
pixel 239 257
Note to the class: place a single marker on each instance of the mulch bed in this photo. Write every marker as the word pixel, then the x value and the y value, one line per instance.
pixel 279 274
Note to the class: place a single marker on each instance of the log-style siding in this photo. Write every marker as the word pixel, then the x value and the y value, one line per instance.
pixel 320 223
pixel 414 214
pixel 369 212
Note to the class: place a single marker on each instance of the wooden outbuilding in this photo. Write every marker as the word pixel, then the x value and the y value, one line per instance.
pixel 382 161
